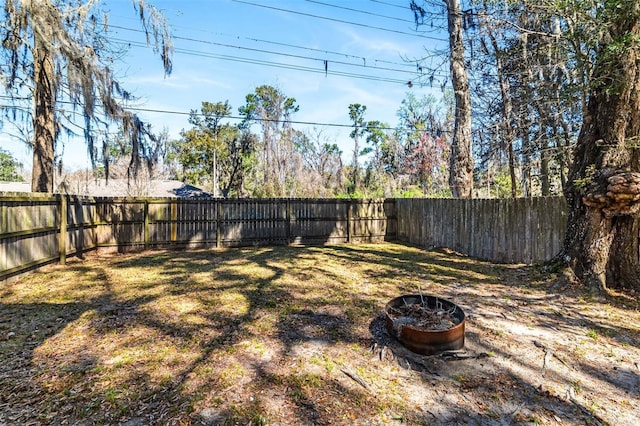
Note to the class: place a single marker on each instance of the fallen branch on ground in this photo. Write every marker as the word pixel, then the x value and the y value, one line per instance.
pixel 548 354
pixel 355 377
pixel 460 355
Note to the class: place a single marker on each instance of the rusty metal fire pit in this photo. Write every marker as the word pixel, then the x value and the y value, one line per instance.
pixel 425 324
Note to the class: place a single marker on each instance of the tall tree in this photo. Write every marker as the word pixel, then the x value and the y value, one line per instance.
pixel 548 94
pixel 376 139
pixel 215 153
pixel 272 110
pixel 58 51
pixel 507 132
pixel 461 159
pixel 426 152
pixel 603 194
pixel 527 88
pixel 356 115
pixel 322 162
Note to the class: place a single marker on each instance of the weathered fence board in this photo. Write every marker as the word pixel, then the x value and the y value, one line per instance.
pixel 524 230
pixel 29 230
pixel 81 225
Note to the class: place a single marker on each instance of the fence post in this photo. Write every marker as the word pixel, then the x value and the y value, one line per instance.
pixel 79 226
pixel 62 236
pixel 218 223
pixel 4 228
pixel 349 220
pixel 4 218
pixel 146 224
pixel 288 220
pixel 174 220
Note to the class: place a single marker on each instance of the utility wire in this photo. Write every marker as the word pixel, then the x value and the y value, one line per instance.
pixel 230 117
pixel 522 150
pixel 362 11
pixel 272 52
pixel 417 72
pixel 274 64
pixel 388 4
pixel 364 60
pixel 341 21
pixel 329 52
pixel 268 120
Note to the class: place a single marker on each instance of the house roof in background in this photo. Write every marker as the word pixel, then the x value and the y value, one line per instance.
pixel 132 188
pixel 118 188
pixel 15 186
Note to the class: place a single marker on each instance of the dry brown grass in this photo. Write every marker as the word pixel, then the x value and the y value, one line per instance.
pixel 267 335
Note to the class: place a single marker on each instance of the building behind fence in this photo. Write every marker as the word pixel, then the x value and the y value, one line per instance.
pixel 40 229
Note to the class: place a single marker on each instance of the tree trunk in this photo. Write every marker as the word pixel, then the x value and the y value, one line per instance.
pixel 461 166
pixel 44 128
pixel 512 170
pixel 565 153
pixel 603 193
pixel 356 171
pixel 544 167
pixel 526 161
pixel 507 112
pixel 214 175
pixel 543 117
pixel 622 269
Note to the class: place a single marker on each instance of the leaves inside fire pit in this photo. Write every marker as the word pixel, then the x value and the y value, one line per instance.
pixel 421 315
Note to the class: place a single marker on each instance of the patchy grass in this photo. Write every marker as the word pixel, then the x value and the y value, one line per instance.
pixel 267 336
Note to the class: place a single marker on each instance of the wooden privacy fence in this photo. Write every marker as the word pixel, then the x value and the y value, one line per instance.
pixel 40 229
pixel 523 230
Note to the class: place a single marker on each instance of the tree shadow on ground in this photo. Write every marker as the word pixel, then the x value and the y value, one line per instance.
pixel 236 336
pixel 298 322
pixel 25 328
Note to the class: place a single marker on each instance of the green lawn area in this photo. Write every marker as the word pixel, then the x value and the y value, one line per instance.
pixel 280 335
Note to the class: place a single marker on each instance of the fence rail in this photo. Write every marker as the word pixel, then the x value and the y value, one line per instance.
pixel 41 229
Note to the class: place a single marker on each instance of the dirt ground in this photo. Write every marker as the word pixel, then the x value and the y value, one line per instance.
pixel 530 359
pixel 296 336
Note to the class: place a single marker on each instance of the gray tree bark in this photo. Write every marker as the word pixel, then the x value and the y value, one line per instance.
pixel 44 129
pixel 461 160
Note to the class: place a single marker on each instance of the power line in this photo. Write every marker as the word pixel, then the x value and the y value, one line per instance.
pixel 388 4
pixel 308 123
pixel 272 52
pixel 269 120
pixel 324 69
pixel 311 49
pixel 340 21
pixel 361 11
pixel 240 59
pixel 311 123
pixel 276 43
pixel 230 117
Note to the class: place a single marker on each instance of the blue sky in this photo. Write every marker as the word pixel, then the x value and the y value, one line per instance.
pixel 224 49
